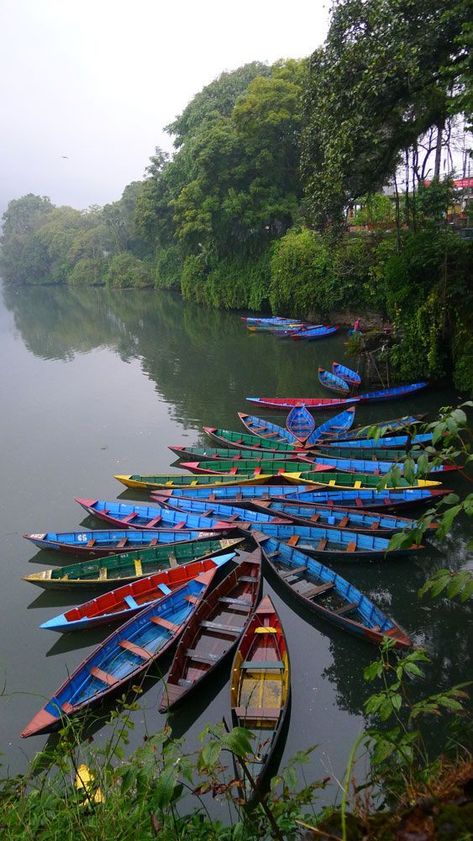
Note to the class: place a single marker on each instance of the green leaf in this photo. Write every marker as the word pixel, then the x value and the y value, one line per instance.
pixel 239 741
pixel 164 788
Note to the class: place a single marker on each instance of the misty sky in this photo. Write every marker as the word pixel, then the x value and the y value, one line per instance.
pixel 97 80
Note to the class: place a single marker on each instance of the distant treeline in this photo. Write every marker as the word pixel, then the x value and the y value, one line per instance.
pixel 250 211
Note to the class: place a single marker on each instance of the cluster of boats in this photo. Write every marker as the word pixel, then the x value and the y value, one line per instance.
pixel 184 569
pixel 289 328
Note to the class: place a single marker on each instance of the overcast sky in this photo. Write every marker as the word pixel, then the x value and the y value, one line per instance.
pixel 97 80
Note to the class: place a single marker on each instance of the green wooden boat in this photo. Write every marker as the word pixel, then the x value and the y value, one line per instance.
pixel 226 467
pixel 229 454
pixel 109 572
pixel 245 441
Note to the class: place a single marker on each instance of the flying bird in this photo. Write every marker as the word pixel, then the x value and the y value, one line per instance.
pixel 65 157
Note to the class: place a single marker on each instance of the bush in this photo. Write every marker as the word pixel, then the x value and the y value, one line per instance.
pixel 127 271
pixel 168 268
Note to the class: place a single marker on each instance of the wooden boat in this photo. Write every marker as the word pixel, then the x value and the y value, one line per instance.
pixel 126 601
pixel 125 655
pixel 372 454
pixel 353 480
pixel 333 427
pixel 242 517
pixel 314 403
pixel 300 423
pixel 336 544
pixel 147 516
pixel 244 441
pixel 267 431
pixel 385 442
pixel 332 382
pixel 94 544
pixel 214 629
pixel 261 687
pixel 106 573
pixel 351 377
pixel 249 467
pixel 234 455
pixel 313 333
pixel 328 594
pixel 368 522
pixel 237 495
pixel 365 498
pixel 383 427
pixel 179 480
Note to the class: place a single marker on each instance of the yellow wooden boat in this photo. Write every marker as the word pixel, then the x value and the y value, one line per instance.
pixel 353 481
pixel 181 480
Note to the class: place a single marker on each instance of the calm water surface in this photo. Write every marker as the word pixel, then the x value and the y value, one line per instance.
pixel 95 383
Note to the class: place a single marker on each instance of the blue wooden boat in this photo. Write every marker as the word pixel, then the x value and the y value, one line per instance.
pixel 267 430
pixel 385 443
pixel 300 423
pixel 274 511
pixel 376 467
pixel 124 656
pixel 313 333
pixel 366 498
pixel 332 382
pixel 383 427
pixel 331 517
pixel 351 377
pixel 336 544
pixel 237 495
pixel 392 393
pixel 218 511
pixel 93 544
pixel 333 427
pixel 329 595
pixel 214 630
pixel 146 516
pixel 120 604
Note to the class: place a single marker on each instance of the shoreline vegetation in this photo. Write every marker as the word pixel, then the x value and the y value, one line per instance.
pixel 304 188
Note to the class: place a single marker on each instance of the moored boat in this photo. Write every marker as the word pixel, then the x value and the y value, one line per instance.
pixel 250 466
pixel 385 427
pixel 123 656
pixel 114 570
pixel 260 687
pixel 329 595
pixel 315 403
pixel 147 516
pixel 354 480
pixel 237 495
pixel 368 522
pixel 335 544
pixel 329 380
pixel 93 544
pixel 366 498
pixel 386 442
pixel 232 454
pixel 337 425
pixel 300 423
pixel 351 377
pixel 214 630
pixel 241 517
pixel 266 430
pixel 119 605
pixel 311 333
pixel 180 480
pixel 244 441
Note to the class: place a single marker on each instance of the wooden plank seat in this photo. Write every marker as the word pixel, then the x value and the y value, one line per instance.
pixel 136 649
pixel 164 623
pixel 202 658
pixel 294 571
pixel 321 545
pixel 318 590
pixel 184 682
pixel 257 712
pixel 67 708
pixel 154 522
pixel 103 571
pixel 131 602
pixel 351 546
pixel 374 525
pixel 347 608
pixel 121 543
pixel 129 517
pixel 293 540
pixel 248 579
pixel 233 601
pixel 314 518
pixel 219 626
pixel 91 543
pixel 237 606
pixel 192 599
pixel 104 677
pixel 138 566
pixel 262 665
pixel 343 523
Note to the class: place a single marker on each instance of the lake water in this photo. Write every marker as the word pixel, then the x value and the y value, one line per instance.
pixel 95 383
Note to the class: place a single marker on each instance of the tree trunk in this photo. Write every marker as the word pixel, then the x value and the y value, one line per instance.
pixel 438 148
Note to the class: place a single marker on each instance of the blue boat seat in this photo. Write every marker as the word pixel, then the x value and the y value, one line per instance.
pixel 131 602
pixel 164 587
